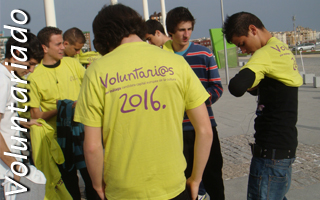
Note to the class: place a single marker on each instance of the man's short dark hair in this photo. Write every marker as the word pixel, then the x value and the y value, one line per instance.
pixel 238 24
pixel 45 34
pixel 176 16
pixel 74 35
pixel 33 45
pixel 153 25
pixel 113 23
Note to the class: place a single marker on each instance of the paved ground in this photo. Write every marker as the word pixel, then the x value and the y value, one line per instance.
pixel 235 118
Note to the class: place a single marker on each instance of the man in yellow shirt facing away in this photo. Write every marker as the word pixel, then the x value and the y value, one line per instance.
pixel 133 99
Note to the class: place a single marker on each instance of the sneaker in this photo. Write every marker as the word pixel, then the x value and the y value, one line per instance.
pixel 204 197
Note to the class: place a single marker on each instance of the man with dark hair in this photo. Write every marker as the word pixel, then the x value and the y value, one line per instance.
pixel 155 33
pixel 9 73
pixel 180 24
pixel 58 78
pixel 133 99
pixel 272 74
pixel 73 41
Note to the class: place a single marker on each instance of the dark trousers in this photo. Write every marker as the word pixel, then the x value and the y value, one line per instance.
pixel 183 196
pixel 212 175
pixel 71 181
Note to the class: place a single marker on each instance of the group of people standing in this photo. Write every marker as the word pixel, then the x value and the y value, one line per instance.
pixel 142 125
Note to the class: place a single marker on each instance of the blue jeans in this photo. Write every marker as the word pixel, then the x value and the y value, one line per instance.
pixel 269 179
pixel 1 190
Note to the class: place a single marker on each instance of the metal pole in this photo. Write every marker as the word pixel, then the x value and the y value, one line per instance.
pixel 164 14
pixel 295 34
pixel 145 9
pixel 225 46
pixel 302 63
pixel 50 13
pixel 0 19
pixel 113 2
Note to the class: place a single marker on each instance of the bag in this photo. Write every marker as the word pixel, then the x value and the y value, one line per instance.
pixel 31 186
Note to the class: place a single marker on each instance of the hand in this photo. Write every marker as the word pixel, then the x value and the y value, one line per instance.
pixel 74 104
pixel 15 177
pixel 28 124
pixel 101 193
pixel 88 64
pixel 193 187
pixel 254 88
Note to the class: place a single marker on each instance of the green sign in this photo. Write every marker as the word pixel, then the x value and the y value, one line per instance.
pixel 218 49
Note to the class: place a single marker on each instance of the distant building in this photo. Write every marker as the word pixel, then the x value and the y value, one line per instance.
pixel 204 42
pixel 302 35
pixel 3 42
pixel 282 36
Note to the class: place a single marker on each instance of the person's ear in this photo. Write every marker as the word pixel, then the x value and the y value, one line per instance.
pixel 45 48
pixel 12 59
pixel 65 43
pixel 158 33
pixel 253 29
pixel 17 53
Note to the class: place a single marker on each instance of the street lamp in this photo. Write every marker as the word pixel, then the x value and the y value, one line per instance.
pixel 50 13
pixel 113 2
pixel 294 29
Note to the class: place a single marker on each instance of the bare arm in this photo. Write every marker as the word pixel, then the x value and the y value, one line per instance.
pixel 93 153
pixel 200 120
pixel 29 123
pixel 8 160
pixel 37 113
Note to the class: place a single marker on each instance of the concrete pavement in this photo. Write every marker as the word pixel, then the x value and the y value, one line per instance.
pixel 235 119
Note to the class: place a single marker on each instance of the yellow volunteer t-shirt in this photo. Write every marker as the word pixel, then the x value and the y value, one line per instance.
pixel 276 61
pixel 21 105
pixel 87 57
pixel 138 93
pixel 47 85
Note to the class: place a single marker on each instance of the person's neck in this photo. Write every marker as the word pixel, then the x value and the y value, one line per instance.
pixel 131 38
pixel 178 48
pixel 165 39
pixel 48 60
pixel 265 37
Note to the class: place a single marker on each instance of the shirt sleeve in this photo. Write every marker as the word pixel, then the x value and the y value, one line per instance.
pixel 22 105
pixel 89 107
pixel 214 84
pixel 80 70
pixel 259 63
pixel 240 83
pixel 195 92
pixel 34 96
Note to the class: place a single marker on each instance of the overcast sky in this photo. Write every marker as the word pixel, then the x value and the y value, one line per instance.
pixel 275 14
